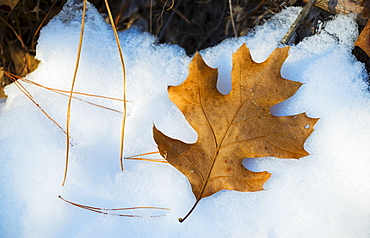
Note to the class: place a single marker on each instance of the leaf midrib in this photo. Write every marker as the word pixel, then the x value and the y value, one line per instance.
pixel 218 145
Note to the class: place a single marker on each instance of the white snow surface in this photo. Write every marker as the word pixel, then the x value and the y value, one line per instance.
pixel 325 194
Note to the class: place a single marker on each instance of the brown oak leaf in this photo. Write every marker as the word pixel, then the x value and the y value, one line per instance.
pixel 235 126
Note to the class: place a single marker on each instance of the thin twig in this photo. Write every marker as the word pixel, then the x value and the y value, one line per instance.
pixel 123 124
pixel 16 34
pixel 68 123
pixel 232 18
pixel 297 22
pixel 160 19
pixel 174 10
pixel 172 4
pixel 150 17
pixel 40 25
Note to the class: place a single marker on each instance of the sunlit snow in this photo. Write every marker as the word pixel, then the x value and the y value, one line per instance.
pixel 325 194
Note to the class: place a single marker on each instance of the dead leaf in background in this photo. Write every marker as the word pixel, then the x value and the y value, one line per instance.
pixel 8 5
pixel 362 47
pixel 358 7
pixel 24 62
pixel 235 126
pixel 340 6
pixel 363 40
pixel 366 5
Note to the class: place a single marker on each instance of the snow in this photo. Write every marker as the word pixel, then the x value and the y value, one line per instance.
pixel 325 194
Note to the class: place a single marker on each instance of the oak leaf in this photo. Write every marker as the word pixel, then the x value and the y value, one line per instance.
pixel 235 126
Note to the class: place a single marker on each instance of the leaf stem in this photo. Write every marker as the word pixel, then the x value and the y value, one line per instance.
pixel 181 220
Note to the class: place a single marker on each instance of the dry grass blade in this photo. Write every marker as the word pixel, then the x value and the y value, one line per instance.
pixel 64 93
pixel 71 92
pixel 123 124
pixel 139 157
pixel 14 79
pixel 108 211
pixel 91 103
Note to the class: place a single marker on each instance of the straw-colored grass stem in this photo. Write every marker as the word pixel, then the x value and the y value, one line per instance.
pixel 124 84
pixel 68 121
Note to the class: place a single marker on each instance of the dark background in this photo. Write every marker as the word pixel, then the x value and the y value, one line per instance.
pixel 194 25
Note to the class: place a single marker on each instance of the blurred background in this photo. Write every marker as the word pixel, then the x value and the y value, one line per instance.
pixel 192 24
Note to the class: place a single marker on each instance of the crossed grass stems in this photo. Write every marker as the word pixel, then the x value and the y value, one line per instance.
pixel 18 81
